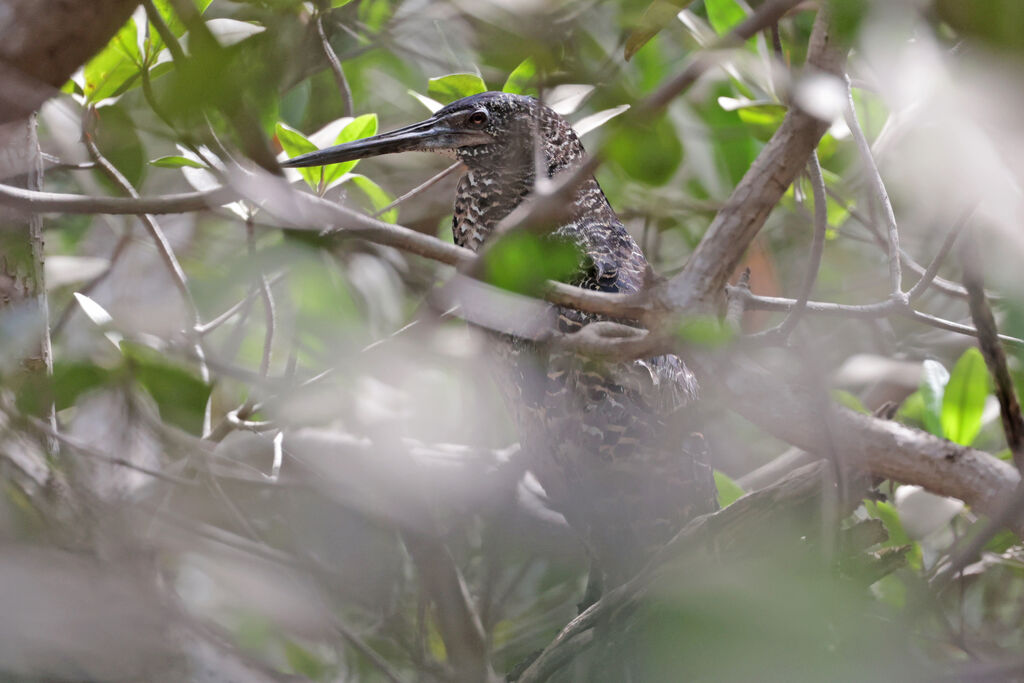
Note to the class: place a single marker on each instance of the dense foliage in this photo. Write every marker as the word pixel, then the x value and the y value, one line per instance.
pixel 287 434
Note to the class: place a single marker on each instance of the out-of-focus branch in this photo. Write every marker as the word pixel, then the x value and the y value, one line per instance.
pixel 42 42
pixel 57 202
pixel 727 530
pixel 460 627
pixel 703 279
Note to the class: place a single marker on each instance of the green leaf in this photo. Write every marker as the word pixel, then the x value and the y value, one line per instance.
pixel 175 161
pixel 522 261
pixel 724 15
pixel 934 378
pixel 964 399
pixel 447 89
pixel 728 490
pixel 295 143
pixel 116 67
pixel 657 15
pixel 763 119
pixel 377 196
pixel 71 380
pixel 179 394
pixel 704 330
pixel 523 79
pixel 361 127
pixel 339 3
pixel 891 519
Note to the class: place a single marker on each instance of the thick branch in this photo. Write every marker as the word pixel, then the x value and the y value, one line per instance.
pixel 882 447
pixel 744 214
pixel 42 42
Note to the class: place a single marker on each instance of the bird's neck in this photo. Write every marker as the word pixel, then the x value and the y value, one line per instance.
pixel 494 185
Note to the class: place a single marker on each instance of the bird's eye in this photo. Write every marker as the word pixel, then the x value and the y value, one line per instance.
pixel 477 118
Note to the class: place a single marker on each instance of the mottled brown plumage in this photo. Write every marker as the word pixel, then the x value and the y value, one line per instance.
pixel 609 442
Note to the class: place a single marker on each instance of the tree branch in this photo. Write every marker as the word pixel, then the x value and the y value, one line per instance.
pixel 714 260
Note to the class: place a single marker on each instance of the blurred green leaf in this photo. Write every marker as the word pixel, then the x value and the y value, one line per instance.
pixel 728 490
pixel 115 67
pixel 377 196
pixel 847 16
pixel 447 89
pixel 295 143
pixel 523 79
pixel 303 662
pixel 650 153
pixel 934 378
pixel 724 15
pixel 522 261
pixel 964 399
pixel 655 17
pixel 71 380
pixel 361 127
pixel 845 398
pixel 704 330
pixel 997 23
pixel 339 3
pixel 179 394
pixel 912 409
pixel 374 13
pixel 175 161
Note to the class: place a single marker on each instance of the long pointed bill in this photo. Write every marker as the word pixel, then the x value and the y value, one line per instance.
pixel 432 135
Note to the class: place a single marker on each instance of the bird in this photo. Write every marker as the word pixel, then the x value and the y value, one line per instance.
pixel 610 442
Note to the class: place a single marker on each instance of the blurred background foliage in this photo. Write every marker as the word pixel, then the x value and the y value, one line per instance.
pixel 273 444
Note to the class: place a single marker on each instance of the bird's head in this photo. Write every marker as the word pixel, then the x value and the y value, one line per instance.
pixel 492 128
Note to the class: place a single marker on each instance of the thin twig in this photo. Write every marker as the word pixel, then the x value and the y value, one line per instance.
pixel 864 147
pixel 88 287
pixel 430 182
pixel 155 18
pixel 206 328
pixel 90 452
pixel 163 248
pixel 943 285
pixel 34 181
pixel 921 286
pixel 817 247
pixel 332 59
pixel 767 14
pixel 992 350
